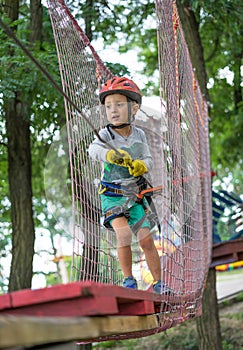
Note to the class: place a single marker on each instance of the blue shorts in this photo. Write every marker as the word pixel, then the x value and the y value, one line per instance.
pixel 136 210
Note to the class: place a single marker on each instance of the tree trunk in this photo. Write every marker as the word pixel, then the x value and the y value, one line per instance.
pixel 192 37
pixel 17 111
pixel 208 325
pixel 19 172
pixel 238 98
pixel 88 19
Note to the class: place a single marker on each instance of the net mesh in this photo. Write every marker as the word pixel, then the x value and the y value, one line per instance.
pixel 178 138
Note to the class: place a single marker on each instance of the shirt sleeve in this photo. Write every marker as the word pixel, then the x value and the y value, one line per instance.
pixel 140 148
pixel 97 150
pixel 146 155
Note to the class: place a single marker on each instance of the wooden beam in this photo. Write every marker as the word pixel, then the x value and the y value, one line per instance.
pixel 227 252
pixel 31 331
pixel 53 346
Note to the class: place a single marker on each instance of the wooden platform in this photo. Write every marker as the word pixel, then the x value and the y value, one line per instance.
pixel 86 311
pixel 227 252
pixel 86 299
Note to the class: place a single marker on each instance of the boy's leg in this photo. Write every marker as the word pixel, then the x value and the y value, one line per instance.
pixel 124 240
pixel 125 260
pixel 151 254
pixel 153 261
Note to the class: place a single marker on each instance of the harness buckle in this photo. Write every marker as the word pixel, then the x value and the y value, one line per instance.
pixel 101 189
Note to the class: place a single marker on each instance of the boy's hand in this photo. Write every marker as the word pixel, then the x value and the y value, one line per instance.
pixel 137 168
pixel 114 158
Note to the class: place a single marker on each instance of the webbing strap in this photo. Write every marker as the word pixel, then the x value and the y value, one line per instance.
pixel 110 189
pixel 149 191
pixel 113 190
pixel 123 211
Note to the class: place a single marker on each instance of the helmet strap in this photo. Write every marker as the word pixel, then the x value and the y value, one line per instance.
pixel 118 126
pixel 129 110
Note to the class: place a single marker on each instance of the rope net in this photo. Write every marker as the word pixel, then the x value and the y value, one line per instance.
pixel 177 135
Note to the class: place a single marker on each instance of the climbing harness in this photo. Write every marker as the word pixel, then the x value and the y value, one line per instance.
pixel 114 190
pixel 138 193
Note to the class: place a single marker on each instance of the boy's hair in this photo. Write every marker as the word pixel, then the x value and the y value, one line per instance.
pixel 123 86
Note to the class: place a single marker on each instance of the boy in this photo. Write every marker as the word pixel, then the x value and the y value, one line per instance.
pixel 122 176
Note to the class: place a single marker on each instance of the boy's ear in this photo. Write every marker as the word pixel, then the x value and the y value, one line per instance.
pixel 135 108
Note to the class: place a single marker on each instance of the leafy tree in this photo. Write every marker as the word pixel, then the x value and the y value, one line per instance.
pixel 16 110
pixel 221 31
pixel 217 31
pixel 28 120
pixel 213 31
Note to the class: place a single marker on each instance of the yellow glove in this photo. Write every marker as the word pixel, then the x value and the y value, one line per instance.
pixel 114 158
pixel 137 168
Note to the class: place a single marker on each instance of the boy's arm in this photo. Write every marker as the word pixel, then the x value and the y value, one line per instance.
pixel 148 160
pixel 147 157
pixel 97 150
pixel 143 162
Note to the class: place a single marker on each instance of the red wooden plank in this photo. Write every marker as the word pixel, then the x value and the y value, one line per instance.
pixel 57 292
pixel 89 299
pixel 140 307
pixel 5 301
pixel 120 292
pixel 89 306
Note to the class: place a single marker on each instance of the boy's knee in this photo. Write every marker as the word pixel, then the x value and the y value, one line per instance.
pixel 124 238
pixel 146 241
pixel 123 232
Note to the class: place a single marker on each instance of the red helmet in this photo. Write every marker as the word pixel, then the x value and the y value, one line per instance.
pixel 123 86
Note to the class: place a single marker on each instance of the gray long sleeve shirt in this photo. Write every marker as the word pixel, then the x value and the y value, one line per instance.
pixel 135 144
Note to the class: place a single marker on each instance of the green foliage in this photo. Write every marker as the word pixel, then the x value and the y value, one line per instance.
pixel 114 19
pixel 239 298
pixel 127 24
pixel 18 75
pixel 117 69
pixel 131 25
pixel 221 31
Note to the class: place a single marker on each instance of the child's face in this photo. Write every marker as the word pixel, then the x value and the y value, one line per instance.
pixel 116 107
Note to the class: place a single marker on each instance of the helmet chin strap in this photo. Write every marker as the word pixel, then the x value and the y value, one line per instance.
pixel 118 126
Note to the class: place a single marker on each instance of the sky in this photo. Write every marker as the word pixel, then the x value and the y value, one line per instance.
pixel 128 59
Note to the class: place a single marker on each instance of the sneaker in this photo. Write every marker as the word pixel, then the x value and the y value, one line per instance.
pixel 130 282
pixel 160 287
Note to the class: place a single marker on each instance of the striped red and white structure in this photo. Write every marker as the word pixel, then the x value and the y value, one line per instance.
pixel 177 134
